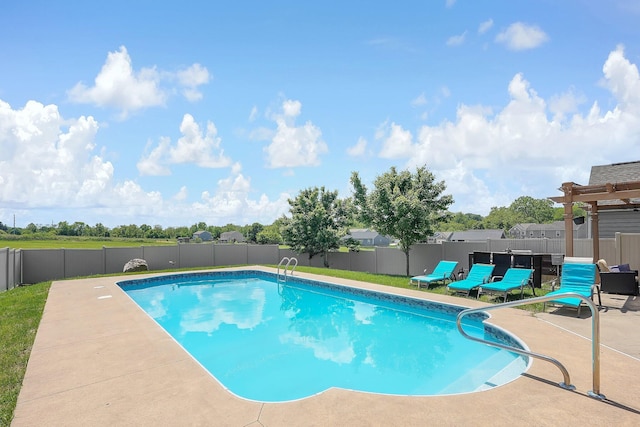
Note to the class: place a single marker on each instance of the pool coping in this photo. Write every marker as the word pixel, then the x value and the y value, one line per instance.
pixel 98 359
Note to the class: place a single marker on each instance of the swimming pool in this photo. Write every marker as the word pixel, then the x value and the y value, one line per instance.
pixel 274 342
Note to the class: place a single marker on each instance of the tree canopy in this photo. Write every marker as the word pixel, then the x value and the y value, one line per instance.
pixel 318 221
pixel 528 209
pixel 403 205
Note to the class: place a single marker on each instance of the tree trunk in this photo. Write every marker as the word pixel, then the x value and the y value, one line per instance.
pixel 406 253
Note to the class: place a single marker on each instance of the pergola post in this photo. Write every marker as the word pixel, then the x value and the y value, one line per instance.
pixel 567 188
pixel 568 229
pixel 595 233
pixel 618 195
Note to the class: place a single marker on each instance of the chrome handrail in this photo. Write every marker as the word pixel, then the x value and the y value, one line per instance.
pixel 279 264
pixel 595 338
pixel 294 266
pixel 286 266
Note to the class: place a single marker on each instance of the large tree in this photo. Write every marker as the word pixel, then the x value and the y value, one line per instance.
pixel 501 218
pixel 528 209
pixel 402 205
pixel 318 221
pixel 460 222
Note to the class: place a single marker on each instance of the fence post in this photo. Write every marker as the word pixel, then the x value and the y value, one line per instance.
pixel 376 259
pixel 6 272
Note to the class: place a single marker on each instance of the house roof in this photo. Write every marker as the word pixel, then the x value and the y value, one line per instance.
pixel 363 233
pixel 197 233
pixel 522 226
pixel 615 173
pixel 230 234
pixel 446 235
pixel 550 226
pixel 557 225
pixel 477 235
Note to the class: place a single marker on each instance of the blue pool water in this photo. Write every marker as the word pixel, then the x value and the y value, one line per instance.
pixel 273 342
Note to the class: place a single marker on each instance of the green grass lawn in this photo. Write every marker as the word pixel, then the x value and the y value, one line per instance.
pixel 21 311
pixel 80 243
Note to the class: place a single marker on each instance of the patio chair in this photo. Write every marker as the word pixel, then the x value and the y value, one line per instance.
pixel 478 275
pixel 443 271
pixel 514 278
pixel 579 278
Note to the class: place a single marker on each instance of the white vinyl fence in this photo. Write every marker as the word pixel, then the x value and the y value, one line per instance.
pixel 28 266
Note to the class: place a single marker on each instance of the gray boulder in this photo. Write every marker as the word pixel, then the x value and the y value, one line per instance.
pixel 135 264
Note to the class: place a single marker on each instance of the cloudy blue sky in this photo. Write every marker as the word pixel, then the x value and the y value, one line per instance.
pixel 173 113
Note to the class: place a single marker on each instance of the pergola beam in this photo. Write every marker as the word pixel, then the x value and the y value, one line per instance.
pixel 592 194
pixel 589 197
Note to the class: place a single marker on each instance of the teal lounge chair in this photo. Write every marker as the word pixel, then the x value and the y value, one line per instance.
pixel 478 275
pixel 579 278
pixel 443 271
pixel 514 278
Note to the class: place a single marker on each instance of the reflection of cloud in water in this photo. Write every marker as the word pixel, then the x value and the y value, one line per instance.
pixel 290 313
pixel 336 349
pixel 237 305
pixel 152 302
pixel 369 360
pixel 363 312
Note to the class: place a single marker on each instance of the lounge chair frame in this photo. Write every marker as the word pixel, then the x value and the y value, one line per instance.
pixel 478 276
pixel 579 278
pixel 445 270
pixel 514 278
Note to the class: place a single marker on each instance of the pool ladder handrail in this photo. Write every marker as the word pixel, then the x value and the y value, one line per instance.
pixel 595 338
pixel 286 266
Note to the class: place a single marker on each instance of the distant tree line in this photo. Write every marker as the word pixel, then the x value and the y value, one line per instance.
pixel 255 233
pixel 523 210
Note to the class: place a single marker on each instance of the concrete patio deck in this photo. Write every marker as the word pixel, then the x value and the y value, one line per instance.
pixel 99 360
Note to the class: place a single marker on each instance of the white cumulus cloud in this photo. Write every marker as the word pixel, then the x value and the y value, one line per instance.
pixel 119 86
pixel 622 79
pixel 48 160
pixel 358 149
pixel 191 78
pixel 456 40
pixel 51 162
pixel 521 36
pixel 397 142
pixel 200 147
pixel 231 202
pixel 291 145
pixel 529 146
pixel 485 26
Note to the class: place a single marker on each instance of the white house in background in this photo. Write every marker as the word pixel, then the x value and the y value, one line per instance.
pixel 231 237
pixel 368 237
pixel 203 235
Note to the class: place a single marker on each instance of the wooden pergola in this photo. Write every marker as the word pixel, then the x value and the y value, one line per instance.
pixel 618 194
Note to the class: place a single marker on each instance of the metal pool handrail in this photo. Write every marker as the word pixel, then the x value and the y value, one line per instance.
pixel 595 338
pixel 286 266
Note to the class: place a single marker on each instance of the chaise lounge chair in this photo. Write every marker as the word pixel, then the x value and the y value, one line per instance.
pixel 443 271
pixel 514 278
pixel 579 278
pixel 478 276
